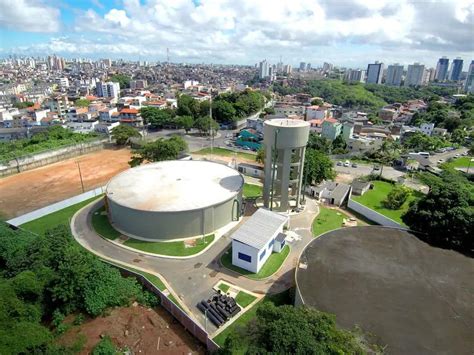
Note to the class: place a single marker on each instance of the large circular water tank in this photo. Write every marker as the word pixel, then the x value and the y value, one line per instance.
pixel 174 199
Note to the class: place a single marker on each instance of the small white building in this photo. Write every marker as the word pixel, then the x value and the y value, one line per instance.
pixel 257 238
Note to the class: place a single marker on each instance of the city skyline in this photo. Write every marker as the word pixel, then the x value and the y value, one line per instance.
pixel 345 33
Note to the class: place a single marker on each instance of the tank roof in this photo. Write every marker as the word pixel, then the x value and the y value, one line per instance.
pixel 172 186
pixel 286 122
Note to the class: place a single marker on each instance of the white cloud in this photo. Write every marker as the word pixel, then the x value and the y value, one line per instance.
pixel 250 30
pixel 28 16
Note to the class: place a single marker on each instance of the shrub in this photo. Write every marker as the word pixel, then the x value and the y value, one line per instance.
pixel 396 197
pixel 105 347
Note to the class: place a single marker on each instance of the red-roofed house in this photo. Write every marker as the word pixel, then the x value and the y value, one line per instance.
pixel 131 116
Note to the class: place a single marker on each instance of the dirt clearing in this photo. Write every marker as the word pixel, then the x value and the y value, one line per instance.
pixel 142 330
pixel 33 189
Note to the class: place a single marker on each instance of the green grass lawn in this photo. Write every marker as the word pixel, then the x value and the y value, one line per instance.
pixel 462 162
pixel 224 287
pixel 170 248
pixel 241 323
pixel 100 222
pixel 327 220
pixel 244 299
pixel 225 153
pixel 252 191
pixel 41 225
pixel 374 198
pixel 271 266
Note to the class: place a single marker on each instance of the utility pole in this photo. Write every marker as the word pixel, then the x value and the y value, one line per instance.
pixel 80 175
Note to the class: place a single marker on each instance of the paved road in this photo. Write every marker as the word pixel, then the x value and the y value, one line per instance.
pixel 434 158
pixel 192 279
pixel 367 169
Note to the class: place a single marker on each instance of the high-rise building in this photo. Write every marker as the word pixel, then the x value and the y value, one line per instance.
pixel 415 74
pixel 469 85
pixel 374 73
pixel 456 69
pixel 431 74
pixel 394 75
pixel 442 69
pixel 108 89
pixel 327 67
pixel 302 66
pixel 287 69
pixel 355 76
pixel 263 71
pixel 308 66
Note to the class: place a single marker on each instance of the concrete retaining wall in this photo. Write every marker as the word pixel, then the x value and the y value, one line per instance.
pixel 373 215
pixel 33 161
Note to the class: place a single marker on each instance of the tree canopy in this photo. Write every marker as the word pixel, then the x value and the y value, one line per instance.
pixel 317 167
pixel 49 276
pixel 445 216
pixel 82 103
pixel 206 125
pixel 122 134
pixel 159 150
pixel 21 105
pixel 156 117
pixel 122 79
pixel 298 330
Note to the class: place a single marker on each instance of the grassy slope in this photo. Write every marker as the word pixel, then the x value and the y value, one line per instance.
pixel 252 191
pixel 373 199
pixel 251 314
pixel 269 268
pixel 41 225
pixel 462 162
pixel 101 224
pixel 225 153
pixel 170 248
pixel 327 219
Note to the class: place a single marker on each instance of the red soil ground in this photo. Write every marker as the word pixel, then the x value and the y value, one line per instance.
pixel 142 330
pixel 33 189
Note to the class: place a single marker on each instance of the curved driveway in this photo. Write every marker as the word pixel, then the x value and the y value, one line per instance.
pixel 192 279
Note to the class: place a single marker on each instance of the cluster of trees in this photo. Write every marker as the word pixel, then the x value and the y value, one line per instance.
pixel 445 216
pixel 122 79
pixel 318 166
pixel 396 197
pixel 368 97
pixel 189 114
pixel 82 103
pixel 392 94
pixel 22 105
pixel 228 108
pixel 159 150
pixel 122 134
pixel 294 330
pixel 52 138
pixel 420 142
pixel 336 92
pixel 455 118
pixel 43 279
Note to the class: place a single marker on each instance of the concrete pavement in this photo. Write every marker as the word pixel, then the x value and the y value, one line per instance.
pixel 192 279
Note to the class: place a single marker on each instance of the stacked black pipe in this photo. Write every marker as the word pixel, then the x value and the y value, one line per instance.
pixel 219 308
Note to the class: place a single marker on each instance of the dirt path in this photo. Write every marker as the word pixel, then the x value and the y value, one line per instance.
pixel 142 330
pixel 33 189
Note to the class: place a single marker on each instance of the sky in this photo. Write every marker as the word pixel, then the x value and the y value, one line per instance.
pixel 348 33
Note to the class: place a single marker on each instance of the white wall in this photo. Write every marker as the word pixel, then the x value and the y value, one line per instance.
pixel 245 249
pixel 373 215
pixel 255 265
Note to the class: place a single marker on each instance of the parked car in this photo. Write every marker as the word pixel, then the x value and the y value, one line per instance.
pixel 457 155
pixel 376 168
pixel 339 163
pixel 347 164
pixel 354 165
pixel 245 148
pixel 440 161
